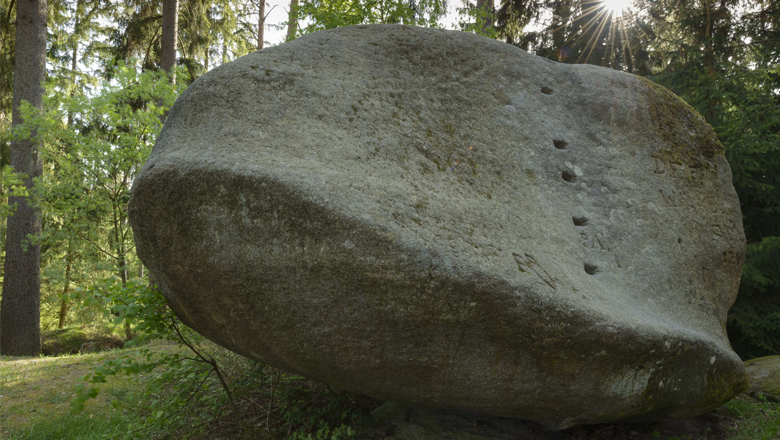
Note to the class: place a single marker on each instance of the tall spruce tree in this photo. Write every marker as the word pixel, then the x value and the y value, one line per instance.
pixel 20 331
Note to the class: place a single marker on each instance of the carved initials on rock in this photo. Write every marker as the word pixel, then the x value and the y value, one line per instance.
pixel 726 231
pixel 675 168
pixel 595 241
pixel 527 264
pixel 674 199
pixel 731 258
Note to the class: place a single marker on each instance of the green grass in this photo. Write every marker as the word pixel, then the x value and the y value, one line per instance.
pixel 756 418
pixel 37 392
pixel 112 424
pixel 182 402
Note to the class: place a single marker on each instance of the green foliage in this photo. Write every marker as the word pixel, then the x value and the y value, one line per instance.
pixel 477 21
pixel 13 186
pixel 735 87
pixel 760 419
pixel 92 146
pixel 179 385
pixel 754 320
pixel 329 14
pixel 318 412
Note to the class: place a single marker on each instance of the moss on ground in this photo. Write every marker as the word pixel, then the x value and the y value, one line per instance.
pixel 73 340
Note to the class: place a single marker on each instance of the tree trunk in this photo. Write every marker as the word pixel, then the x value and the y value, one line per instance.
pixel 484 16
pixel 292 20
pixel 20 317
pixel 73 67
pixel 66 289
pixel 561 16
pixel 120 223
pixel 170 30
pixel 709 53
pixel 261 24
pixel 709 58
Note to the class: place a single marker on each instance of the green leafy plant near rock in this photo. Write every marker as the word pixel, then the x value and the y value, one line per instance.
pixel 92 147
pixel 181 384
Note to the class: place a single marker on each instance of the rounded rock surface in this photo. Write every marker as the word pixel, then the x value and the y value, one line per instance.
pixel 764 373
pixel 441 219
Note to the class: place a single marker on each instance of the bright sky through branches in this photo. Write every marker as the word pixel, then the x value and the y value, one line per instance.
pixel 279 9
pixel 617 7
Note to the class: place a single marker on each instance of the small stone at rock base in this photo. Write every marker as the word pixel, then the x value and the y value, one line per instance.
pixel 764 375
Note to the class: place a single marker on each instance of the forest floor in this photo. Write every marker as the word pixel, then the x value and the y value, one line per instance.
pixel 742 418
pixel 35 396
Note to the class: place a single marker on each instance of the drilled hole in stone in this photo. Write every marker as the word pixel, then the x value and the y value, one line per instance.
pixel 559 144
pixel 580 221
pixel 569 176
pixel 679 240
pixel 591 269
pixel 546 90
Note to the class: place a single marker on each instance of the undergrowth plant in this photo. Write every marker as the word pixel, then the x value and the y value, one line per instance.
pixel 209 387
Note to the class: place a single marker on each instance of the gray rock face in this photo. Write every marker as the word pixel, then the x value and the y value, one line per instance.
pixel 440 219
pixel 764 373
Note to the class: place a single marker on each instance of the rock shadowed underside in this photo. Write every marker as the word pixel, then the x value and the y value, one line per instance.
pixel 440 219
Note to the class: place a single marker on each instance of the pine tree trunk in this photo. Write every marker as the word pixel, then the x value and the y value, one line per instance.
pixel 709 53
pixel 292 20
pixel 709 57
pixel 20 329
pixel 120 225
pixel 170 29
pixel 224 50
pixel 561 15
pixel 66 289
pixel 260 24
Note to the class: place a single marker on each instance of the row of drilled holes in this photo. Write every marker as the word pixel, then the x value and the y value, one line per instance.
pixel 570 177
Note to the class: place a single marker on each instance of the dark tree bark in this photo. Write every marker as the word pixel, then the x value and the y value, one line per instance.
pixel 292 20
pixel 20 317
pixel 170 30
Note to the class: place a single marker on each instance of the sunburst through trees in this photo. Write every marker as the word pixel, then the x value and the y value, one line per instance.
pixel 585 31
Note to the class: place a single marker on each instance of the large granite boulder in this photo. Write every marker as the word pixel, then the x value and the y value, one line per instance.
pixel 764 373
pixel 440 219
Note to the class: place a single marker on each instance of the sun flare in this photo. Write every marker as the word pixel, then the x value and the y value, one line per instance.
pixel 617 7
